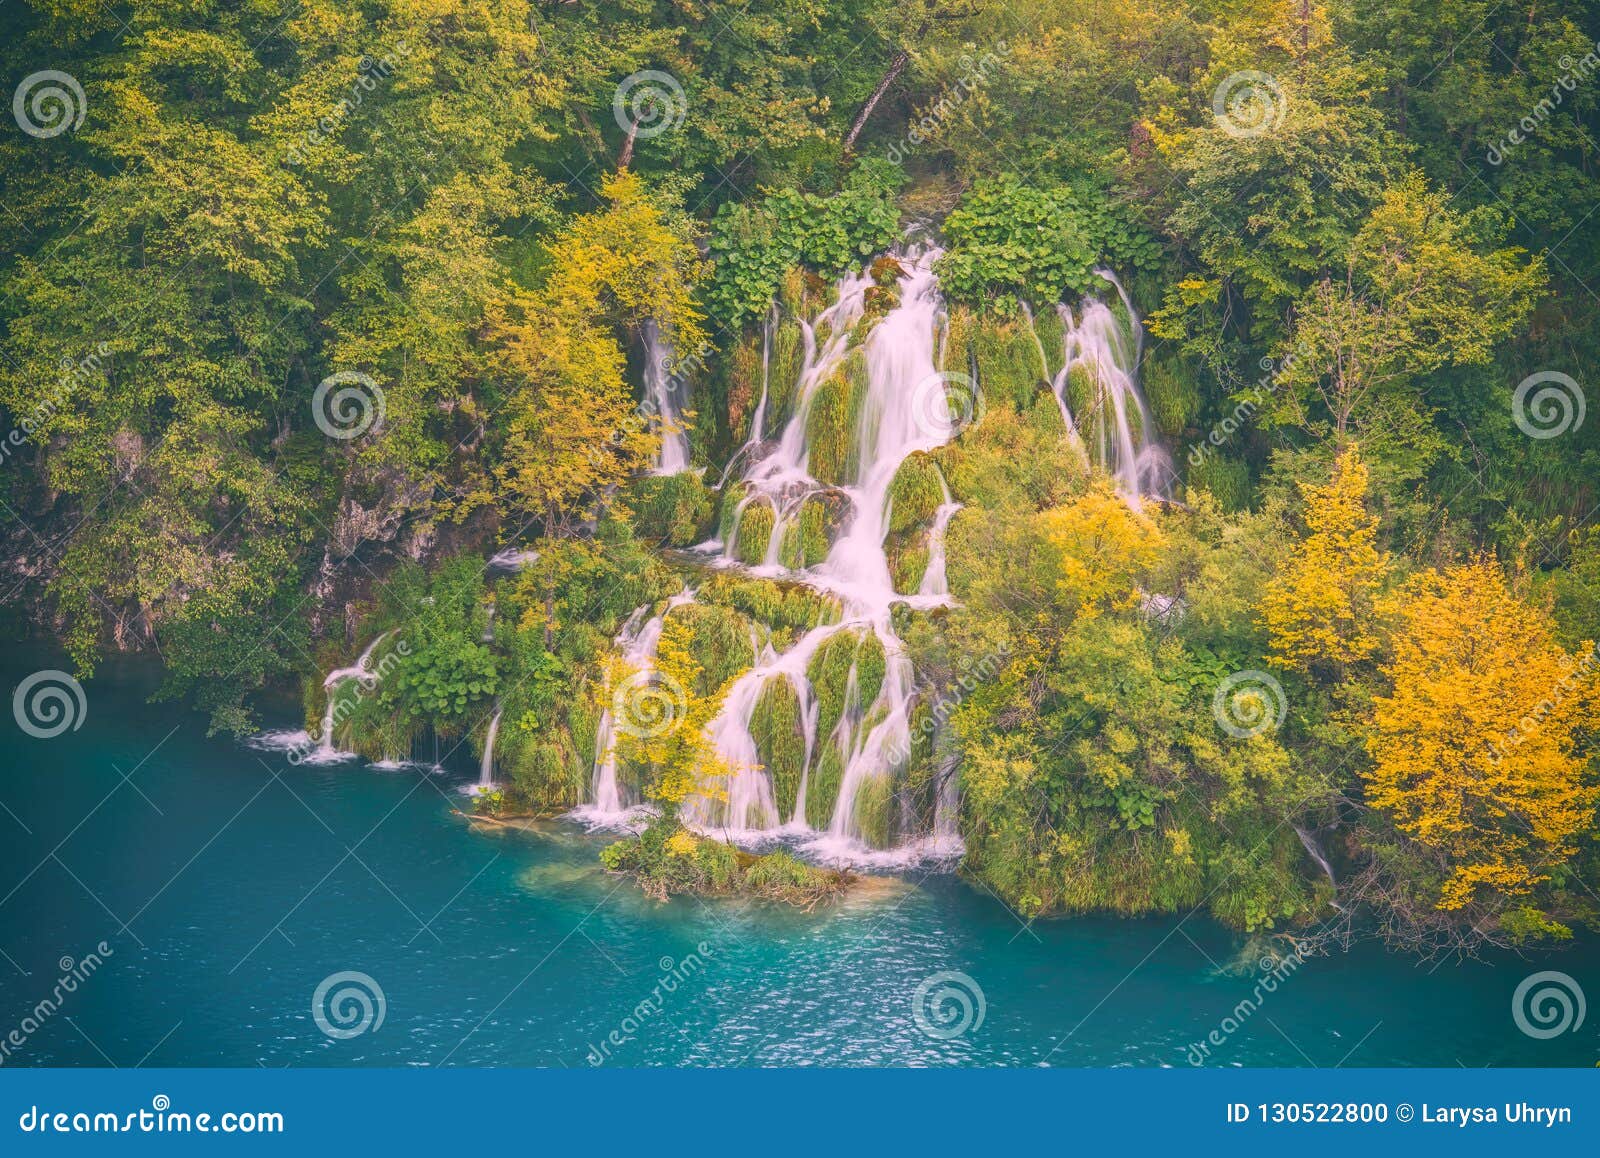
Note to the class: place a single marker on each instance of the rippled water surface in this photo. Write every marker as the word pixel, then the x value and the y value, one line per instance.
pixel 228 885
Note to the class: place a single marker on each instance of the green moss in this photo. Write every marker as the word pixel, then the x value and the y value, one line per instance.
pixel 1228 480
pixel 822 790
pixel 674 510
pixel 727 516
pixel 908 560
pixel 1009 367
pixel 754 531
pixel 790 606
pixel 1173 393
pixel 831 426
pixel 780 740
pixel 915 493
pixel 874 808
pixel 719 641
pixel 783 370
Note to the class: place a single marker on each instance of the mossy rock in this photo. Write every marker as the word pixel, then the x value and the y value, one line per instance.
pixel 727 516
pixel 672 510
pixel 829 673
pixel 791 606
pixel 779 734
pixel 786 359
pixel 915 494
pixel 719 641
pixel 1009 367
pixel 754 531
pixel 874 810
pixel 908 560
pixel 822 789
pixel 742 386
pixel 831 425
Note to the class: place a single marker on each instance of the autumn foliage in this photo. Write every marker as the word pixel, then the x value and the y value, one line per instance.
pixel 1473 750
pixel 1319 607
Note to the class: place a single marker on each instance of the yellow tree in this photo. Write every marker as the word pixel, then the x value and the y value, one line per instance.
pixel 1473 749
pixel 1100 548
pixel 1318 608
pixel 573 430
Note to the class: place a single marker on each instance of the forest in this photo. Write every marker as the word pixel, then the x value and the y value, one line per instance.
pixel 1131 453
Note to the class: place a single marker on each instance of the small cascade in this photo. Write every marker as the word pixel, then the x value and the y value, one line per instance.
pixel 486 767
pixel 659 387
pixel 934 584
pixel 356 671
pixel 1117 425
pixel 511 560
pixel 636 645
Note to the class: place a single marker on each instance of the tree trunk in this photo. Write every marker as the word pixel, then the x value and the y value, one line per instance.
pixel 896 67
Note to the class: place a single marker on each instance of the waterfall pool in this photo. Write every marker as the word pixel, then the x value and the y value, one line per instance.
pixel 228 885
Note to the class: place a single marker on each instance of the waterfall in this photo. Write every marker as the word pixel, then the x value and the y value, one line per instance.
pixel 901 365
pixel 1117 427
pixel 636 645
pixel 486 767
pixel 934 583
pixel 356 671
pixel 659 386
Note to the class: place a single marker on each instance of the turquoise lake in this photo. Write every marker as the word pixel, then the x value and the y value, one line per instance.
pixel 227 885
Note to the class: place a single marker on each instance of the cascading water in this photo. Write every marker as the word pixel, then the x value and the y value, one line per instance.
pixel 636 645
pixel 659 388
pixel 902 411
pixel 1117 424
pixel 356 671
pixel 486 766
pixel 934 582
pixel 898 408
